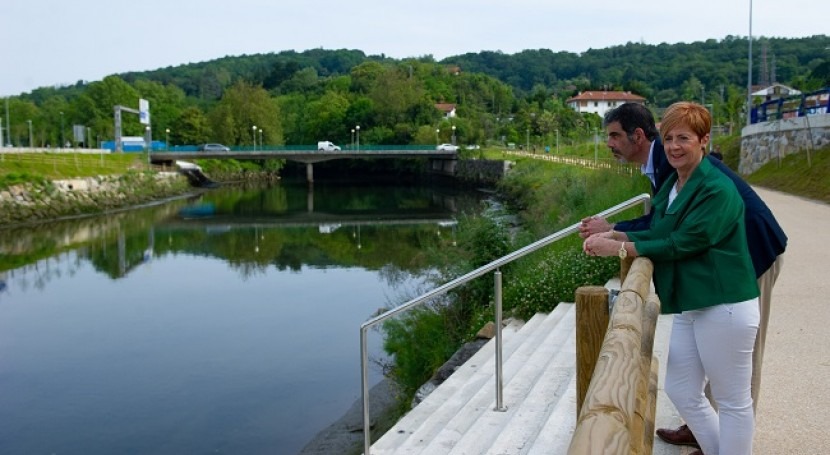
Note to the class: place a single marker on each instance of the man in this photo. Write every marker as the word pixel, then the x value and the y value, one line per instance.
pixel 632 136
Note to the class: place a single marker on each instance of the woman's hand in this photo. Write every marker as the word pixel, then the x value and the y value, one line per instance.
pixel 602 244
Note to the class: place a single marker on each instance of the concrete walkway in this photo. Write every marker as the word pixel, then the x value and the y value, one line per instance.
pixel 794 406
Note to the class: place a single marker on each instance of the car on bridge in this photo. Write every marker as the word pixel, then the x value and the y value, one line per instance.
pixel 447 148
pixel 214 148
pixel 327 146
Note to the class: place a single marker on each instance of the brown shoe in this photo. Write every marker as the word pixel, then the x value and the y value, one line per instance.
pixel 680 437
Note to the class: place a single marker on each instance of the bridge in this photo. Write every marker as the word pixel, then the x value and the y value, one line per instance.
pixel 441 161
pixel 302 154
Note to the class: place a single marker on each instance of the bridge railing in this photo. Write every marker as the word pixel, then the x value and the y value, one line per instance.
pixel 817 102
pixel 494 267
pixel 299 148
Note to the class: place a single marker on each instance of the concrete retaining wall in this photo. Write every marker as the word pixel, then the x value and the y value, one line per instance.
pixel 481 171
pixel 763 142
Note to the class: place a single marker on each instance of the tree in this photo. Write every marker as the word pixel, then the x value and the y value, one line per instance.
pixel 166 103
pixel 242 107
pixel 394 95
pixel 190 127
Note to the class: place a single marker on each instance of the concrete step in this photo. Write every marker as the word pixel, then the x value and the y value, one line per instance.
pixel 458 418
pixel 471 386
pixel 471 372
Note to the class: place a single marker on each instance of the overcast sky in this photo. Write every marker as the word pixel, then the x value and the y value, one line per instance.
pixel 59 42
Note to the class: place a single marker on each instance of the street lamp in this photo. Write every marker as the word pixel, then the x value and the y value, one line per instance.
pixel 711 109
pixel 30 132
pixel 63 141
pixel 557 141
pixel 749 73
pixel 260 138
pixel 253 128
pixel 352 147
pixel 167 138
pixel 436 136
pixel 148 142
pixel 357 133
pixel 453 135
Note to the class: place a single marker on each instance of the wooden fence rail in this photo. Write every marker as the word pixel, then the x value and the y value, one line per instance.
pixel 616 370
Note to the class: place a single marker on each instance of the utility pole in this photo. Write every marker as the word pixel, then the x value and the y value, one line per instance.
pixel 749 73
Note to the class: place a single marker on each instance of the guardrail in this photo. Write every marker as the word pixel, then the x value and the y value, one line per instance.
pixel 811 103
pixel 494 266
pixel 616 370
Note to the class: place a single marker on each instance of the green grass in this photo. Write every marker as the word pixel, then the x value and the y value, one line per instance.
pixel 16 168
pixel 803 174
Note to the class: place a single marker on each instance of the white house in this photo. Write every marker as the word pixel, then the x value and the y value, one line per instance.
pixel 447 109
pixel 775 91
pixel 599 102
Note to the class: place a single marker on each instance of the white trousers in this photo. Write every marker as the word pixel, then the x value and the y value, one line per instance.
pixel 715 343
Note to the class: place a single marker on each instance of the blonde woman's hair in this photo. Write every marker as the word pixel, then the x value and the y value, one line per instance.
pixel 685 113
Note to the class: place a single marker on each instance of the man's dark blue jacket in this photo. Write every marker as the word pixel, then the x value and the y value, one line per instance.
pixel 765 238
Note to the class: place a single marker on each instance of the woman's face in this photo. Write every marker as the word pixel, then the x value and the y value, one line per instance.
pixel 684 149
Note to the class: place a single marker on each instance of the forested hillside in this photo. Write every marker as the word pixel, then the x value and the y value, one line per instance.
pixel 302 97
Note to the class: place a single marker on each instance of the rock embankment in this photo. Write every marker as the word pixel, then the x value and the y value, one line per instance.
pixel 34 202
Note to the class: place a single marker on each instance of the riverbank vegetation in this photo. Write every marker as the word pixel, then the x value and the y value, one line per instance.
pixel 547 197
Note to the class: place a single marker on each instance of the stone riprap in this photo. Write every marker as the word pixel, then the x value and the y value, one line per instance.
pixel 33 202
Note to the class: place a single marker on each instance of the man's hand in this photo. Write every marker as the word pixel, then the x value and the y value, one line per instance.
pixel 593 225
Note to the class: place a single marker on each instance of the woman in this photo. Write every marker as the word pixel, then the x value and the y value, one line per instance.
pixel 703 274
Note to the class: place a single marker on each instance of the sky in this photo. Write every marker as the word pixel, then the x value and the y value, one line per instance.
pixel 47 43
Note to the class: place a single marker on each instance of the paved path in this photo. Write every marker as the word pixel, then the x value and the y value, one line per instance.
pixel 794 406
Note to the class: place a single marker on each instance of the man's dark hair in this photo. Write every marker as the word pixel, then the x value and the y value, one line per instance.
pixel 632 116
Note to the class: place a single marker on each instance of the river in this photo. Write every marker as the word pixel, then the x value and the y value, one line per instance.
pixel 226 323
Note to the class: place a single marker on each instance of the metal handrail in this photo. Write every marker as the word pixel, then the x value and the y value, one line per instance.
pixel 644 198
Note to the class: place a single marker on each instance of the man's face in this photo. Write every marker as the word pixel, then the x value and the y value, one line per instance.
pixel 621 146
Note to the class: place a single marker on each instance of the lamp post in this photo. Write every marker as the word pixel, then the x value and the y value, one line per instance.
pixel 30 132
pixel 557 141
pixel 260 138
pixel 63 141
pixel 167 138
pixel 357 135
pixel 253 129
pixel 436 136
pixel 711 108
pixel 527 140
pixel 596 145
pixel 749 73
pixel 352 147
pixel 148 143
pixel 453 135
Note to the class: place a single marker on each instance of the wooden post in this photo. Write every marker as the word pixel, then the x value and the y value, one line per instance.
pixel 591 324
pixel 639 421
pixel 605 419
pixel 651 415
pixel 625 266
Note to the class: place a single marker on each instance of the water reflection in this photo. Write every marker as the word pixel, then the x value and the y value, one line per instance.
pixel 224 323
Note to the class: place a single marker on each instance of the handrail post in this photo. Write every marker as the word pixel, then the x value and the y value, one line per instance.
pixel 499 377
pixel 592 316
pixel 364 380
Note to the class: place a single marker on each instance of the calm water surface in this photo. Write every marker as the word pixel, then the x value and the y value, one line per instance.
pixel 225 324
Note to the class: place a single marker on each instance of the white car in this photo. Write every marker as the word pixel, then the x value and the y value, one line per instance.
pixel 447 148
pixel 327 146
